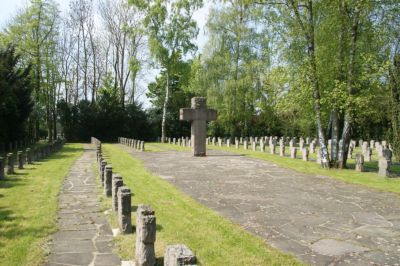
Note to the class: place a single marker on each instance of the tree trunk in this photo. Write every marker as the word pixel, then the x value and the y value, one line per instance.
pixel 334 137
pixel 394 75
pixel 349 113
pixel 315 86
pixel 164 115
pixel 309 33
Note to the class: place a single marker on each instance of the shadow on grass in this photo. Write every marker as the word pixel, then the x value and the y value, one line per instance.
pixel 159 261
pixel 9 182
pixel 10 227
pixel 20 174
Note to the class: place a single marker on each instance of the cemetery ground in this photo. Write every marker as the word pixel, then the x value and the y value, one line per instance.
pixel 368 178
pixel 321 220
pixel 28 207
pixel 180 219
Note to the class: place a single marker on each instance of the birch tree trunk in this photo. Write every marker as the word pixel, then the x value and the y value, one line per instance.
pixel 349 114
pixel 164 115
pixel 307 26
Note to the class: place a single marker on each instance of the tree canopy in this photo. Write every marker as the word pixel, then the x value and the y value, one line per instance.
pixel 326 69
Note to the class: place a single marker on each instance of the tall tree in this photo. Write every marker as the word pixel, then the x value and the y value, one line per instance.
pixel 34 33
pixel 171 32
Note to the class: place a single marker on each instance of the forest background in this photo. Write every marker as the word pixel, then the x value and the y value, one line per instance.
pixel 328 69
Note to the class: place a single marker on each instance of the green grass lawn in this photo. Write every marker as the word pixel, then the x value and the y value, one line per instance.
pixel 28 207
pixel 180 219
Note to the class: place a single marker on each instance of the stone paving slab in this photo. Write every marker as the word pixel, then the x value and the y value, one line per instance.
pixel 84 236
pixel 322 221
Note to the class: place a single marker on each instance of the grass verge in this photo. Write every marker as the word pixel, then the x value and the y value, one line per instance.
pixel 28 207
pixel 180 219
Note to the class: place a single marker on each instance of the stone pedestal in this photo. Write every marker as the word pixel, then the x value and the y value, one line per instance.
pixel 368 154
pixel 10 164
pixel 102 172
pixel 245 145
pixel 116 184
pixel 282 150
pixel 1 168
pixel 359 163
pixel 305 154
pixel 272 148
pixel 124 210
pixel 20 160
pixel 293 152
pixel 28 156
pixel 179 255
pixel 107 181
pixel 145 236
pixel 383 167
pixel 142 146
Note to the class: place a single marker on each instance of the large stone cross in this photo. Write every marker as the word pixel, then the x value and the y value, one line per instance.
pixel 198 115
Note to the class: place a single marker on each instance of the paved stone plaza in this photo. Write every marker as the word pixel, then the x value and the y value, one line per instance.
pixel 320 220
pixel 85 237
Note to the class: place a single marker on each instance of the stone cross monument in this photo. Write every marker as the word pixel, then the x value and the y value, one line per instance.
pixel 198 115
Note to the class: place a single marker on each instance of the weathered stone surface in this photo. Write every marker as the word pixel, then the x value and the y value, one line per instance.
pixel 28 155
pixel 179 255
pixel 198 115
pixel 84 236
pixel 305 154
pixel 359 163
pixel 333 247
pixel 10 164
pixel 102 171
pixel 1 168
pixel 107 181
pixel 293 152
pixel 124 210
pixel 384 165
pixel 20 160
pixel 282 150
pixel 116 184
pixel 292 211
pixel 272 148
pixel 145 236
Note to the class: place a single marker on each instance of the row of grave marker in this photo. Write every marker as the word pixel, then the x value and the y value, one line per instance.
pixel 383 150
pixel 16 145
pixel 27 157
pixel 145 216
pixel 133 143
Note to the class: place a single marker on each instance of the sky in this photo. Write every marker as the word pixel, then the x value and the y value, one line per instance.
pixel 9 8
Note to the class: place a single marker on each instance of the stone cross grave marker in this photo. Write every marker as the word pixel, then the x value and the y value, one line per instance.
pixel 198 115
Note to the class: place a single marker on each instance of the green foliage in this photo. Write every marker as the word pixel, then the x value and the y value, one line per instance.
pixel 15 96
pixel 106 118
pixel 34 34
pixel 179 98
